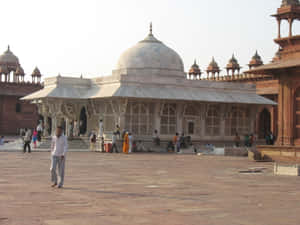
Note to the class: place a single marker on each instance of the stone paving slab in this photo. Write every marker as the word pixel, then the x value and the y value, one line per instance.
pixel 145 189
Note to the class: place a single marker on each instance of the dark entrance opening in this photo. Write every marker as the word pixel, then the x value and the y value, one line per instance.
pixel 191 127
pixel 40 120
pixel 83 121
pixel 49 121
pixel 264 123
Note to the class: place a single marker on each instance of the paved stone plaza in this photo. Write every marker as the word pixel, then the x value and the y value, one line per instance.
pixel 144 189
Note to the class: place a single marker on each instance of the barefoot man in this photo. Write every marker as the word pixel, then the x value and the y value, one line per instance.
pixel 59 147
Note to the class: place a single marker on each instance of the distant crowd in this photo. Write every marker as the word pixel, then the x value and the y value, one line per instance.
pixel 129 145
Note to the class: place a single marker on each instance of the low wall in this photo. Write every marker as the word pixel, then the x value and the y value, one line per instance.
pixel 280 153
pixel 242 152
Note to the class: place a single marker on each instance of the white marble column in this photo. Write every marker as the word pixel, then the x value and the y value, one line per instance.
pixel 46 126
pixel 223 121
pixel 156 122
pixel 54 125
pixel 67 131
pixel 179 110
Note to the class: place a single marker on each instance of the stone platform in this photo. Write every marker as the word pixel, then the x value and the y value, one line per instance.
pixel 145 189
pixel 289 154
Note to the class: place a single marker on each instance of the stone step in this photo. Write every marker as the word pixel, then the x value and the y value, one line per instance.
pixel 72 144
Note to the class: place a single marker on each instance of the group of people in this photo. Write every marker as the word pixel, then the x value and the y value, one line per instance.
pixel 179 142
pixel 249 140
pixel 270 138
pixel 127 139
pixel 29 136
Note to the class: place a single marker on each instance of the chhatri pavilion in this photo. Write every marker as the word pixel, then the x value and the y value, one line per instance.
pixel 149 90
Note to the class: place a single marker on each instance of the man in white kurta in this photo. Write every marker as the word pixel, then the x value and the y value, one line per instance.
pixel 59 148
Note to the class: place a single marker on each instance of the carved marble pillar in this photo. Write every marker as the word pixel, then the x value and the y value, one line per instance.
pixel 119 108
pixel 46 126
pixel 54 125
pixel 67 131
pixel 179 110
pixel 223 120
pixel 203 113
pixel 156 121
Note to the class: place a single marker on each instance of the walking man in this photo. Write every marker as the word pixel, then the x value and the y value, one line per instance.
pixel 59 148
pixel 93 140
pixel 114 143
pixel 39 130
pixel 27 140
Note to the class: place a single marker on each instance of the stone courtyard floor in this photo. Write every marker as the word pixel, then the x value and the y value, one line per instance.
pixel 144 189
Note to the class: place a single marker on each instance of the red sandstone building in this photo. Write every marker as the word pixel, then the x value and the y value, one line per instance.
pixel 16 114
pixel 278 80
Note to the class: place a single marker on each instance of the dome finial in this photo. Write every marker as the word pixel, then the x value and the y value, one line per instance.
pixel 150 28
pixel 8 48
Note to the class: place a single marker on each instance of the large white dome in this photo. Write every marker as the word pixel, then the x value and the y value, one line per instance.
pixel 150 53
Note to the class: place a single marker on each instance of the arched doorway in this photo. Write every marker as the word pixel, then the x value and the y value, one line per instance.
pixel 83 121
pixel 264 123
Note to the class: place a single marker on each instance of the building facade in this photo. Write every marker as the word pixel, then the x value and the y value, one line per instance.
pixel 277 81
pixel 14 113
pixel 148 91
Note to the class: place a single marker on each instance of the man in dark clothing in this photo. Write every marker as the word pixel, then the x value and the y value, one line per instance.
pixel 27 140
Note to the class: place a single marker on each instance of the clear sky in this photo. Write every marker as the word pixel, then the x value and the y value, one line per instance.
pixel 74 37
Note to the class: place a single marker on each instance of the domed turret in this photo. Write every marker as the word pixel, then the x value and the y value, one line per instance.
pixel 213 69
pixel 233 65
pixel 36 75
pixel 151 54
pixel 255 61
pixel 36 72
pixel 195 70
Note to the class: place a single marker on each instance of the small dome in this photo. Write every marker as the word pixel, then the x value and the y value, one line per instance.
pixel 195 69
pixel 20 71
pixel 233 63
pixel 213 66
pixel 150 53
pixel 289 2
pixel 9 58
pixel 256 60
pixel 36 72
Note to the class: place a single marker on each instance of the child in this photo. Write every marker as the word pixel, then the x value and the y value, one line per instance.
pixel 34 137
pixel 2 140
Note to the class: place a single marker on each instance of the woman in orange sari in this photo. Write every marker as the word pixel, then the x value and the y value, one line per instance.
pixel 126 143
